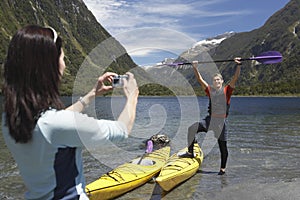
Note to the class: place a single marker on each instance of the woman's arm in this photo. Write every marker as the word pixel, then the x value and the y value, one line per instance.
pixel 99 89
pixel 131 91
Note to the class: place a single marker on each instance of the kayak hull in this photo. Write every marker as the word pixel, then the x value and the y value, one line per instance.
pixel 178 170
pixel 128 176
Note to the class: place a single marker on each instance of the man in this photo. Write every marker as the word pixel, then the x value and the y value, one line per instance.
pixel 216 120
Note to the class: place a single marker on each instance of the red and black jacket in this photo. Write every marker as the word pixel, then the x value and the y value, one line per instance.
pixel 219 101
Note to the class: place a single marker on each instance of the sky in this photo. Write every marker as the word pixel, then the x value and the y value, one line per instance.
pixel 151 30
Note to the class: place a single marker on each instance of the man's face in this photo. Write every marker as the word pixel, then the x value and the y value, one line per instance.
pixel 217 82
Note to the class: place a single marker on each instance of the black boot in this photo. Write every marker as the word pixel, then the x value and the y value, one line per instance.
pixel 189 153
pixel 186 155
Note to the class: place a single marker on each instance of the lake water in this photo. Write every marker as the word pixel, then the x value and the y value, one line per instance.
pixel 264 149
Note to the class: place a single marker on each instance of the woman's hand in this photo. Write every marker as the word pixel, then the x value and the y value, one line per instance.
pixel 100 87
pixel 130 86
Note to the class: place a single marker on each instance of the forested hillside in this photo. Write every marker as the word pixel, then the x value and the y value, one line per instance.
pixel 73 21
pixel 281 32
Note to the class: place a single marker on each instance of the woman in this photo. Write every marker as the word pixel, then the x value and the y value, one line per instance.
pixel 41 134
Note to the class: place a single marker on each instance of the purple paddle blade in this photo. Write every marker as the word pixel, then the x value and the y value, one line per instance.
pixel 149 146
pixel 269 57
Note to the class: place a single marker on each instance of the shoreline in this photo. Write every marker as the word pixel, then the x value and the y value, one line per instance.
pixel 274 96
pixel 233 96
pixel 243 96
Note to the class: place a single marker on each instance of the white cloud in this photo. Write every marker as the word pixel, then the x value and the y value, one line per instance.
pixel 121 17
pixel 142 41
pixel 118 16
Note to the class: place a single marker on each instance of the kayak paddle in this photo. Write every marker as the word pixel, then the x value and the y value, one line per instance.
pixel 269 57
pixel 149 149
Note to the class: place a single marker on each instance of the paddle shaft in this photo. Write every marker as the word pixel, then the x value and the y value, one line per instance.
pixel 218 61
pixel 269 57
pixel 148 150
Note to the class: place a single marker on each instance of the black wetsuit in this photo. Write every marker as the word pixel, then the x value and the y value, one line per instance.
pixel 216 120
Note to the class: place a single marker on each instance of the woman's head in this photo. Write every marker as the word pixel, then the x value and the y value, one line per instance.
pixel 33 58
pixel 31 76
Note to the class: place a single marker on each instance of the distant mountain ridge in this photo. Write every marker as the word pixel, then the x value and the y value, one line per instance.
pixel 81 33
pixel 207 45
pixel 281 32
pixel 214 41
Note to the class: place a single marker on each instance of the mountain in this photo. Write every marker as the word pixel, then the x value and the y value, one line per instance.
pixel 82 33
pixel 197 52
pixel 212 42
pixel 77 26
pixel 207 45
pixel 281 32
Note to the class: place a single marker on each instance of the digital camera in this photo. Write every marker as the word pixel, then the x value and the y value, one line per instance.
pixel 118 81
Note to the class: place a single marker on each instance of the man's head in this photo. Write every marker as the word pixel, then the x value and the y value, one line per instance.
pixel 218 81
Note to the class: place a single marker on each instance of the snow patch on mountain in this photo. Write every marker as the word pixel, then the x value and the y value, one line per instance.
pixel 204 46
pixel 197 49
pixel 214 41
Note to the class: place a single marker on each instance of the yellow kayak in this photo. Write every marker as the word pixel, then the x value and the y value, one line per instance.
pixel 128 176
pixel 177 169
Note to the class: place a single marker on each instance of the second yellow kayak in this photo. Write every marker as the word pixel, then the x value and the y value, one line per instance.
pixel 178 169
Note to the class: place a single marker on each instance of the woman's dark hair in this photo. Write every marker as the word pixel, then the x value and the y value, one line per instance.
pixel 31 79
